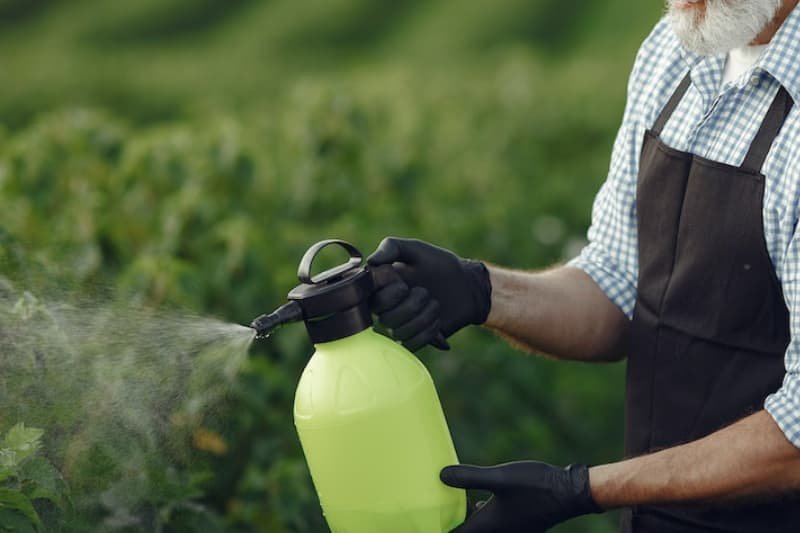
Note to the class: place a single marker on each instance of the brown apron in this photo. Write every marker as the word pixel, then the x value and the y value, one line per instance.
pixel 710 325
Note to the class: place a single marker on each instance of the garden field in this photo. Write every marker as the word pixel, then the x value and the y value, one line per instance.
pixel 179 156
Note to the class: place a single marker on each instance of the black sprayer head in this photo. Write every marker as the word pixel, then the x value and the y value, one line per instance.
pixel 335 303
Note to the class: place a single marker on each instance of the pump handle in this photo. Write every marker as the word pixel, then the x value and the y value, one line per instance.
pixel 304 271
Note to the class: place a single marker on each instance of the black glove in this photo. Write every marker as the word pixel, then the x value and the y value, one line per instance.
pixel 528 496
pixel 438 293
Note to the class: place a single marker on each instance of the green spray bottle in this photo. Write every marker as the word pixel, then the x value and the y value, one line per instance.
pixel 366 410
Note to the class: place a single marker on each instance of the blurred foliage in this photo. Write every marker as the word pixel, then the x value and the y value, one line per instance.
pixel 29 485
pixel 186 153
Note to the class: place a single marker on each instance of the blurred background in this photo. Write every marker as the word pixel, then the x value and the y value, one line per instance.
pixel 185 153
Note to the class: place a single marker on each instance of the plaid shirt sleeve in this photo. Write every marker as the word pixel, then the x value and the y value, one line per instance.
pixel 784 405
pixel 611 257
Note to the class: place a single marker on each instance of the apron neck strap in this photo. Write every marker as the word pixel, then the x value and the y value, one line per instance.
pixel 673 102
pixel 770 127
pixel 769 130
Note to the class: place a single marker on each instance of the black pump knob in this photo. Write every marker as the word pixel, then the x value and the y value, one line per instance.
pixel 333 274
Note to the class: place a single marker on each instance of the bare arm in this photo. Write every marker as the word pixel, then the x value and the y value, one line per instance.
pixel 751 458
pixel 560 312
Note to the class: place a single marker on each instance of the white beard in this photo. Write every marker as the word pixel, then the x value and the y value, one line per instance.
pixel 725 24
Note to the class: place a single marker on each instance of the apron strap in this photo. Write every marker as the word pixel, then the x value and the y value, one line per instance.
pixel 673 102
pixel 770 127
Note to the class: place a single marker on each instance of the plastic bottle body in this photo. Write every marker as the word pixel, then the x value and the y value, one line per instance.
pixel 375 438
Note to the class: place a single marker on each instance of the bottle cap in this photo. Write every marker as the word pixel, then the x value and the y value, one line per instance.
pixel 335 303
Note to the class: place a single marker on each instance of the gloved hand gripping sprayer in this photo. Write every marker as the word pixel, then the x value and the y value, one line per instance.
pixel 366 409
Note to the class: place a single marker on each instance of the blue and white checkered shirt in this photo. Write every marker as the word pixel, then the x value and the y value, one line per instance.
pixel 718 123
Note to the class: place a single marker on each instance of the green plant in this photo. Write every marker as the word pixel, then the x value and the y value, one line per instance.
pixel 29 484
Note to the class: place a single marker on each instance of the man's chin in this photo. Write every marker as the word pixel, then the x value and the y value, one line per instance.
pixel 711 27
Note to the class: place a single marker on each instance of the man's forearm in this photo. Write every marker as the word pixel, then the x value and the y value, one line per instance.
pixel 561 312
pixel 749 459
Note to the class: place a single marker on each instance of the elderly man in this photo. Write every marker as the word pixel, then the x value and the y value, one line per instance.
pixel 692 270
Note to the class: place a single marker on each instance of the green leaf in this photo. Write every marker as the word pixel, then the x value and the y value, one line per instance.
pixel 5 471
pixel 8 460
pixel 22 442
pixel 14 521
pixel 41 480
pixel 10 499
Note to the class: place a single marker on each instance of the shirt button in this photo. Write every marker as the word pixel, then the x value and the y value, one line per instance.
pixel 754 80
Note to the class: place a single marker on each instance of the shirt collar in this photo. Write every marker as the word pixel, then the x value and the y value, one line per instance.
pixel 706 73
pixel 781 59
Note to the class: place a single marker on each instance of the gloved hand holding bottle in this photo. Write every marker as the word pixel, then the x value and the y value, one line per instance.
pixel 527 496
pixel 437 292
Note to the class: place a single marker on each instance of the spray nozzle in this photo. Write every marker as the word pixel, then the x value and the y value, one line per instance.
pixel 267 323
